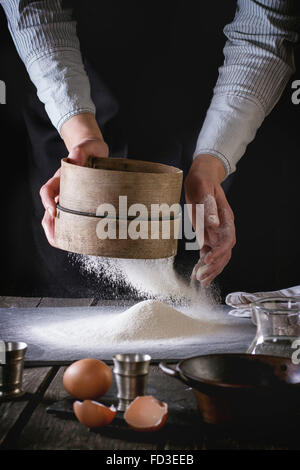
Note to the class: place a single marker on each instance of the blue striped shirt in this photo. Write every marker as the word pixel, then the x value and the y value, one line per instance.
pixel 258 62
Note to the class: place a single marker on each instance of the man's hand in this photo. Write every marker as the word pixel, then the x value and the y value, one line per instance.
pixel 83 138
pixel 203 186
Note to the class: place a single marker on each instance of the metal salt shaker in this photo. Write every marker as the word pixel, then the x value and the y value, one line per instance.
pixel 131 373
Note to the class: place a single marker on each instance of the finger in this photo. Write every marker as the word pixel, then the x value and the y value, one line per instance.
pixel 217 266
pixel 201 271
pixel 90 147
pixel 206 218
pixel 219 251
pixel 211 219
pixel 226 238
pixel 49 192
pixel 226 220
pixel 208 279
pixel 200 267
pixel 209 276
pixel 214 271
pixel 220 263
pixel 48 226
pixel 48 199
pixel 206 282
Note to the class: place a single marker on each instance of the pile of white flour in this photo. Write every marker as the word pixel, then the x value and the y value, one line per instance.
pixel 151 320
pixel 147 322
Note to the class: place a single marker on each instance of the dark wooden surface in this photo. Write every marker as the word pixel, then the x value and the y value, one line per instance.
pixel 25 423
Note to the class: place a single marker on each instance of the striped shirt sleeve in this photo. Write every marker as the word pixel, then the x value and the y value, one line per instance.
pixel 259 60
pixel 45 37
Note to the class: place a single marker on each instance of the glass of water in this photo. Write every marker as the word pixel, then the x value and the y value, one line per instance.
pixel 278 327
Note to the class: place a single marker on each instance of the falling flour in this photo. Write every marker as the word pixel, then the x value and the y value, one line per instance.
pixel 154 279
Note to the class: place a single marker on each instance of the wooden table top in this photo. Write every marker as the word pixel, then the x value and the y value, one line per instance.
pixel 25 424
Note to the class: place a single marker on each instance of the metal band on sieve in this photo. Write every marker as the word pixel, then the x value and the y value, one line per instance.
pixel 91 214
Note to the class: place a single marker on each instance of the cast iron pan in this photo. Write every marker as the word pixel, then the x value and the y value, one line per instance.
pixel 235 388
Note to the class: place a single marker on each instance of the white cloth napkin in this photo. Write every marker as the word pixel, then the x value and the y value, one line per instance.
pixel 241 300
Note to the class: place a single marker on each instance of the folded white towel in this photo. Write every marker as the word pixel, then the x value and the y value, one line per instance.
pixel 241 300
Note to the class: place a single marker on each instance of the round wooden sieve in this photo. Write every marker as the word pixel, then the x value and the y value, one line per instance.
pixel 101 181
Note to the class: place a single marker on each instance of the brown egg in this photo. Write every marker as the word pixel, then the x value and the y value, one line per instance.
pixel 146 414
pixel 93 414
pixel 87 378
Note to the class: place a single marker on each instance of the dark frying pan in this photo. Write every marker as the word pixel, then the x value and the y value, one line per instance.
pixel 241 388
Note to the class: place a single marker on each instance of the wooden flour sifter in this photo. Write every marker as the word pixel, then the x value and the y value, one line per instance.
pixel 84 190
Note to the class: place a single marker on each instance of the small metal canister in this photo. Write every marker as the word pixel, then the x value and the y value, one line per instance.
pixel 131 373
pixel 12 357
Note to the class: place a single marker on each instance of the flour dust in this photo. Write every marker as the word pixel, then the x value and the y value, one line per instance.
pixel 150 279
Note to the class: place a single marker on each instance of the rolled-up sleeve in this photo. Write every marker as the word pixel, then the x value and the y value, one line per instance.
pixel 45 36
pixel 259 60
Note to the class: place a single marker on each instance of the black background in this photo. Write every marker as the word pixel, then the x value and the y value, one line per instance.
pixel 166 82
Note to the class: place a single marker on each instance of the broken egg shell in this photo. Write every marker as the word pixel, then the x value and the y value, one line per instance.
pixel 146 413
pixel 87 379
pixel 93 414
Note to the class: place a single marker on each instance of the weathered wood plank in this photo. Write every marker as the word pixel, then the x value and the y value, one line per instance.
pixel 53 302
pixel 194 443
pixel 45 431
pixel 20 302
pixel 10 411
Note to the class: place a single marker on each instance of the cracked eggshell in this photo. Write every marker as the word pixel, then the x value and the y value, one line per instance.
pixel 146 413
pixel 93 414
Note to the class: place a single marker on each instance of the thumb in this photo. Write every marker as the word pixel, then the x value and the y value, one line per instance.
pixel 78 155
pixel 200 267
